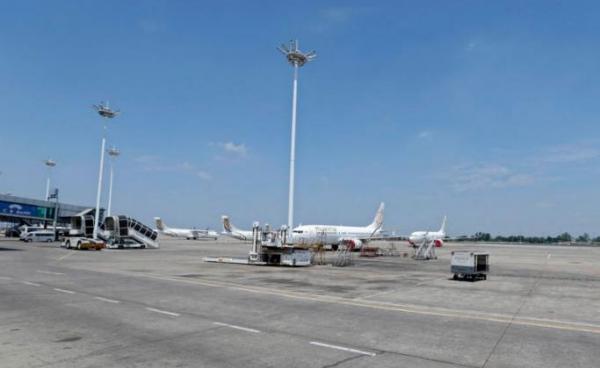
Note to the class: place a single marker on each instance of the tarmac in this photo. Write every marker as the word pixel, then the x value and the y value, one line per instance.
pixel 539 307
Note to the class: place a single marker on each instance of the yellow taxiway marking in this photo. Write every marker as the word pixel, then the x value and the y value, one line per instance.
pixel 413 309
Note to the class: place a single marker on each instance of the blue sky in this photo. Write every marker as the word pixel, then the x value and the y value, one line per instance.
pixel 485 111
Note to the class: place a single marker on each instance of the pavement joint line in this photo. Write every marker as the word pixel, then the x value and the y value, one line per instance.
pixel 31 283
pixel 64 291
pixel 49 272
pixel 237 327
pixel 474 315
pixel 107 300
pixel 172 314
pixel 343 348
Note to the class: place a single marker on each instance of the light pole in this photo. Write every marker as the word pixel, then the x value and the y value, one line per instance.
pixel 105 112
pixel 113 153
pixel 297 59
pixel 49 164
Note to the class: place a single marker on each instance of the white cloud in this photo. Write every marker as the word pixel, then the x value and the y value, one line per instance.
pixel 569 154
pixel 154 163
pixel 204 175
pixel 472 177
pixel 336 14
pixel 330 18
pixel 425 134
pixel 231 148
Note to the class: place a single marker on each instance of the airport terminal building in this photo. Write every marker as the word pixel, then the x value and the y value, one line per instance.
pixel 27 210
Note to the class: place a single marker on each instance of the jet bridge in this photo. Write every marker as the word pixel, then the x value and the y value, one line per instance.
pixel 126 232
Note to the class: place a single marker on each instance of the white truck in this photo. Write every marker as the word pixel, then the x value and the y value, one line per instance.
pixel 80 235
pixel 469 265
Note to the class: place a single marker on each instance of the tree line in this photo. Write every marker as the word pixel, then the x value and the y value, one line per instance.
pixel 562 238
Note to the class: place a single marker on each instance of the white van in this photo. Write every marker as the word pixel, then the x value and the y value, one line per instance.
pixel 38 236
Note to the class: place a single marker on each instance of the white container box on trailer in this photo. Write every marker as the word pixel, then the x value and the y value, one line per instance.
pixel 469 265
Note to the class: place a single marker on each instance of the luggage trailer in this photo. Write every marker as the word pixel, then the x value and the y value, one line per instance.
pixel 269 247
pixel 469 265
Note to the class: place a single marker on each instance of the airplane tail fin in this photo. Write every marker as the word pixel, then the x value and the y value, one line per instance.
pixel 443 228
pixel 160 225
pixel 378 220
pixel 227 226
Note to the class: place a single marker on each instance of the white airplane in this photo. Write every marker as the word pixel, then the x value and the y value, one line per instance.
pixel 437 237
pixel 184 233
pixel 352 236
pixel 234 232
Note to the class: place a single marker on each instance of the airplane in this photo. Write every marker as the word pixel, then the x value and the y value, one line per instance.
pixel 352 236
pixel 184 233
pixel 234 232
pixel 418 237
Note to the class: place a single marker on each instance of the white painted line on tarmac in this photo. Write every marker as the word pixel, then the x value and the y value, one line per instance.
pixel 107 300
pixel 241 328
pixel 31 283
pixel 163 312
pixel 49 272
pixel 405 308
pixel 64 291
pixel 65 256
pixel 343 348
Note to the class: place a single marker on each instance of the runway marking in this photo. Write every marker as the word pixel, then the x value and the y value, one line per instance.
pixel 236 327
pixel 343 348
pixel 64 291
pixel 163 312
pixel 107 300
pixel 31 283
pixel 414 309
pixel 49 272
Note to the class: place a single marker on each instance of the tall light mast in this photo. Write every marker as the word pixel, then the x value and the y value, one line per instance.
pixel 297 59
pixel 113 153
pixel 105 112
pixel 49 164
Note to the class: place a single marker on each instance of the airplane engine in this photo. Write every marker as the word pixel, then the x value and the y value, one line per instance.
pixel 352 243
pixel 438 243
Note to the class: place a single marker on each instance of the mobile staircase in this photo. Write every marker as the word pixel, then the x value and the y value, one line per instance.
pixel 425 250
pixel 125 232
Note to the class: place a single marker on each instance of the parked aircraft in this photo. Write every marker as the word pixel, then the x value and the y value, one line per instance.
pixel 234 232
pixel 352 236
pixel 184 233
pixel 418 237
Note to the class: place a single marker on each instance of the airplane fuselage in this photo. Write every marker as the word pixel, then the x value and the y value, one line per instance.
pixel 188 233
pixel 417 237
pixel 331 234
